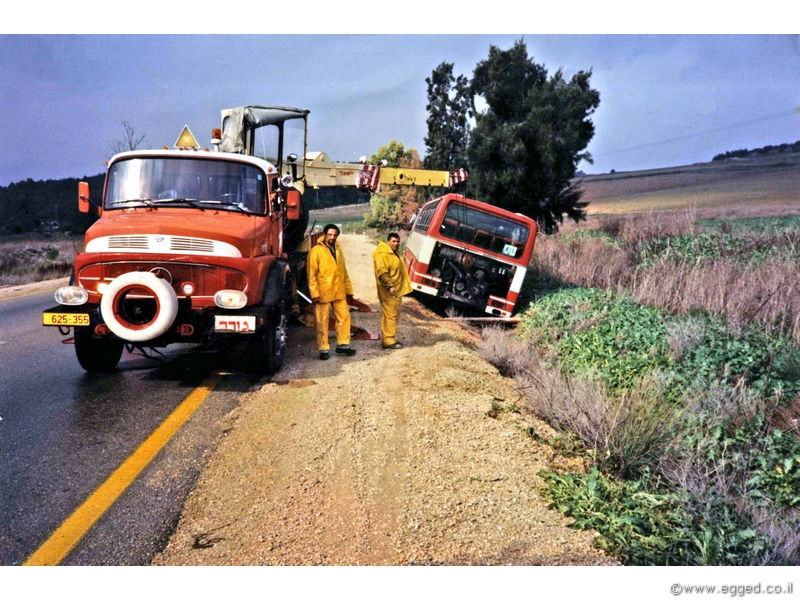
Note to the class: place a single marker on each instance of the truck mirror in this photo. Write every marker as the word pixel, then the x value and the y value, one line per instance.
pixel 83 196
pixel 293 205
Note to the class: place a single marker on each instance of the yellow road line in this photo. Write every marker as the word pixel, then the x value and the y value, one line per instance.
pixel 71 531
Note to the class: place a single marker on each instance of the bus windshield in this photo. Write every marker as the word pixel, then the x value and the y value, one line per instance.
pixel 184 182
pixel 486 231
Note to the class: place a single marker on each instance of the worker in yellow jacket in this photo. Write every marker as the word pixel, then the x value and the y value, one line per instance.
pixel 393 283
pixel 330 286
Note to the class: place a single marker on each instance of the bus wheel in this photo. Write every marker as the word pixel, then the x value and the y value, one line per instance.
pixel 96 356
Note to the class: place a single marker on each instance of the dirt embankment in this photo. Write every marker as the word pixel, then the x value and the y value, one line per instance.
pixel 386 458
pixel 17 291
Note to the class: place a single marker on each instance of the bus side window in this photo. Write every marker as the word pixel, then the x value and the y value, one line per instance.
pixel 448 227
pixel 465 234
pixel 483 239
pixel 500 243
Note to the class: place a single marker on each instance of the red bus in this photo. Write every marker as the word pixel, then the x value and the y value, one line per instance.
pixel 469 252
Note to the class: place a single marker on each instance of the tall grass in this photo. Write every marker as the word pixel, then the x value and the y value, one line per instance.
pixel 752 279
pixel 624 432
pixel 31 259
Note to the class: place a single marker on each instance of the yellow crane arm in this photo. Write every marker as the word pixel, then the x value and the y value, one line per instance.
pixel 320 171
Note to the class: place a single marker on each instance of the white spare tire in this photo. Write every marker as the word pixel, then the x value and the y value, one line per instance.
pixel 139 306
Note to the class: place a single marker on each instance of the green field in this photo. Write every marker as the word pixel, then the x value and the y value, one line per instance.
pixel 766 185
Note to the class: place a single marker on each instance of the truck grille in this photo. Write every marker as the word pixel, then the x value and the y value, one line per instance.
pixel 139 242
pixel 182 244
pixel 162 244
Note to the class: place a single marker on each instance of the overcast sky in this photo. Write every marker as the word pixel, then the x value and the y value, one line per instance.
pixel 664 100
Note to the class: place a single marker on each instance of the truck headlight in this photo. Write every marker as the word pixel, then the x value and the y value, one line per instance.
pixel 230 299
pixel 72 295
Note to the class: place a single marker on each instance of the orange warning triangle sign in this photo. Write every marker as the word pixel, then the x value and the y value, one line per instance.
pixel 186 139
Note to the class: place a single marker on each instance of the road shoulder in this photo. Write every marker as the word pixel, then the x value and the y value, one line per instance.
pixel 388 458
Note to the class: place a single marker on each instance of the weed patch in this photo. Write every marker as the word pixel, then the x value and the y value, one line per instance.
pixel 644 526
pixel 744 270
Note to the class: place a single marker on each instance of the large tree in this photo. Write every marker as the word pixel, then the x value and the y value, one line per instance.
pixel 393 206
pixel 527 143
pixel 449 103
pixel 394 153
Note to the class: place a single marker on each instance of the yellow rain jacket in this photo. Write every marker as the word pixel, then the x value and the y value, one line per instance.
pixel 327 278
pixel 390 272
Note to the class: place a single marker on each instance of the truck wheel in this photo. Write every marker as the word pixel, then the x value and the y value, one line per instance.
pixel 268 349
pixel 96 356
pixel 278 282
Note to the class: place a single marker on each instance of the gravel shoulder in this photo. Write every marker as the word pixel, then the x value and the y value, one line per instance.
pixel 386 458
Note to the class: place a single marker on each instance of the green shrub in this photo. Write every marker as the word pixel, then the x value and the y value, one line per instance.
pixel 775 470
pixel 723 354
pixel 598 332
pixel 645 526
pixel 601 334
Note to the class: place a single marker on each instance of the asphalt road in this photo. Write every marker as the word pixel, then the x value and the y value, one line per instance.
pixel 64 431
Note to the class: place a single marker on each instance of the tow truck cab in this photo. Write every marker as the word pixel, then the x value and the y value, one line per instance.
pixel 189 248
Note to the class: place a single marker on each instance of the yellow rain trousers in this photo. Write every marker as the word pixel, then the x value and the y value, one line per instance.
pixel 328 280
pixel 342 315
pixel 390 272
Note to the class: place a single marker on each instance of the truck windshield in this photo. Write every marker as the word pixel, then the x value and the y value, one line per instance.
pixel 185 182
pixel 486 231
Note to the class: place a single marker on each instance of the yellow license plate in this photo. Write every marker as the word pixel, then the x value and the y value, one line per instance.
pixel 65 319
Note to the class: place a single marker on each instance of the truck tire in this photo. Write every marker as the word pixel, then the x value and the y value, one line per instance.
pixel 268 349
pixel 275 287
pixel 145 325
pixel 96 356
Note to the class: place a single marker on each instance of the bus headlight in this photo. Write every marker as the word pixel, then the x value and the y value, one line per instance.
pixel 231 299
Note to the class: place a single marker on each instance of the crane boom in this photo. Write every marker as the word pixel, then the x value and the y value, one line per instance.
pixel 320 171
pixel 316 170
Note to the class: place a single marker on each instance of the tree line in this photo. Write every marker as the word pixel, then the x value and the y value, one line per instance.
pixel 744 152
pixel 30 206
